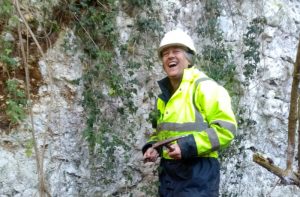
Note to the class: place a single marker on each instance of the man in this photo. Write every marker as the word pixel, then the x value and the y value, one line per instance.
pixel 196 107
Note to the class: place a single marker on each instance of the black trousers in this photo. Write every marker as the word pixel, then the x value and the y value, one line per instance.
pixel 197 177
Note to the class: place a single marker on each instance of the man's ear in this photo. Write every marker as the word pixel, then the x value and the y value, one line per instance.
pixel 163 67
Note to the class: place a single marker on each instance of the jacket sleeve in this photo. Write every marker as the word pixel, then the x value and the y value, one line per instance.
pixel 214 103
pixel 149 143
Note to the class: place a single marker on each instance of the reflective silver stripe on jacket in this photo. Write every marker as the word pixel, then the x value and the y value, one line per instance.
pixel 227 125
pixel 213 138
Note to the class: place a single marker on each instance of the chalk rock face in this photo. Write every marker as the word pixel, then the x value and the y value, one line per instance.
pixel 59 117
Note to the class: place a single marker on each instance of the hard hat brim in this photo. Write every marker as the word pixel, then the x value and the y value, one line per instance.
pixel 162 48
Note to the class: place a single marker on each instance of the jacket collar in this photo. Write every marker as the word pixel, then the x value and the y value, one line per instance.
pixel 165 84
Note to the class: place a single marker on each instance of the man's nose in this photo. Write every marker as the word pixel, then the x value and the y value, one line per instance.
pixel 171 54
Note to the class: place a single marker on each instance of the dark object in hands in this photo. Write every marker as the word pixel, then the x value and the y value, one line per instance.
pixel 165 143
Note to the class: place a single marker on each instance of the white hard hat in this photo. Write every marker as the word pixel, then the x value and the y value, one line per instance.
pixel 176 38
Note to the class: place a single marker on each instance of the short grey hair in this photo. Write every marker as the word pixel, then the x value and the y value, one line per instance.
pixel 190 57
pixel 188 53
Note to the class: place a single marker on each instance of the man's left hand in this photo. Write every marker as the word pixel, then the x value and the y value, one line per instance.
pixel 174 151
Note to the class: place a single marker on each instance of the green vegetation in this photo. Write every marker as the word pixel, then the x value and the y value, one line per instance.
pixel 12 80
pixel 95 25
pixel 252 54
pixel 216 58
pixel 13 101
pixel 6 10
pixel 12 88
pixel 217 61
pixel 29 144
pixel 153 117
pixel 109 87
pixel 16 101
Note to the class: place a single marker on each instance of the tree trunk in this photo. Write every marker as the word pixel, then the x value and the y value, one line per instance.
pixel 287 176
pixel 298 134
pixel 293 113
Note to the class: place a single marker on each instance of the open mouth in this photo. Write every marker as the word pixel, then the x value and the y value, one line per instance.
pixel 172 64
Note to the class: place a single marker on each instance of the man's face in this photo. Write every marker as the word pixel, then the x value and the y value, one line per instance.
pixel 174 62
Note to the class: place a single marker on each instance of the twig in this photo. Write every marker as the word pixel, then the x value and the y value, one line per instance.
pixel 287 177
pixel 87 33
pixel 272 189
pixel 39 158
pixel 104 6
pixel 51 103
pixel 28 28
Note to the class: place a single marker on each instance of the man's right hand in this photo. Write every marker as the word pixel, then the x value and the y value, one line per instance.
pixel 151 155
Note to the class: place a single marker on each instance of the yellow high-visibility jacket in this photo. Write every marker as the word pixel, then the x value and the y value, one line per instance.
pixel 200 109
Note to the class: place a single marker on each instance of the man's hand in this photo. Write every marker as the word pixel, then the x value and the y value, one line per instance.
pixel 174 151
pixel 151 155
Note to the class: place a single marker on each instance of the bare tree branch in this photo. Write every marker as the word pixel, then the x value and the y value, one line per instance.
pixel 43 190
pixel 288 178
pixel 293 113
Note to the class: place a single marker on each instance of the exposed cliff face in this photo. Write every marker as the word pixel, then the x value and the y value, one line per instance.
pixel 60 119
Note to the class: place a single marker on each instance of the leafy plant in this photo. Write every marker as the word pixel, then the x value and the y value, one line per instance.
pixel 252 54
pixel 153 117
pixel 6 9
pixel 216 58
pixel 16 101
pixel 104 85
pixel 109 86
pixel 148 24
pixel 29 147
pixel 6 56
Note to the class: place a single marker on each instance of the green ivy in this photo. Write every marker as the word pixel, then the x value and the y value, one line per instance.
pixel 6 56
pixel 13 79
pixel 6 9
pixel 16 101
pixel 252 53
pixel 13 87
pixel 154 115
pixel 216 57
pixel 29 147
pixel 217 60
pixel 148 24
pixel 105 84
